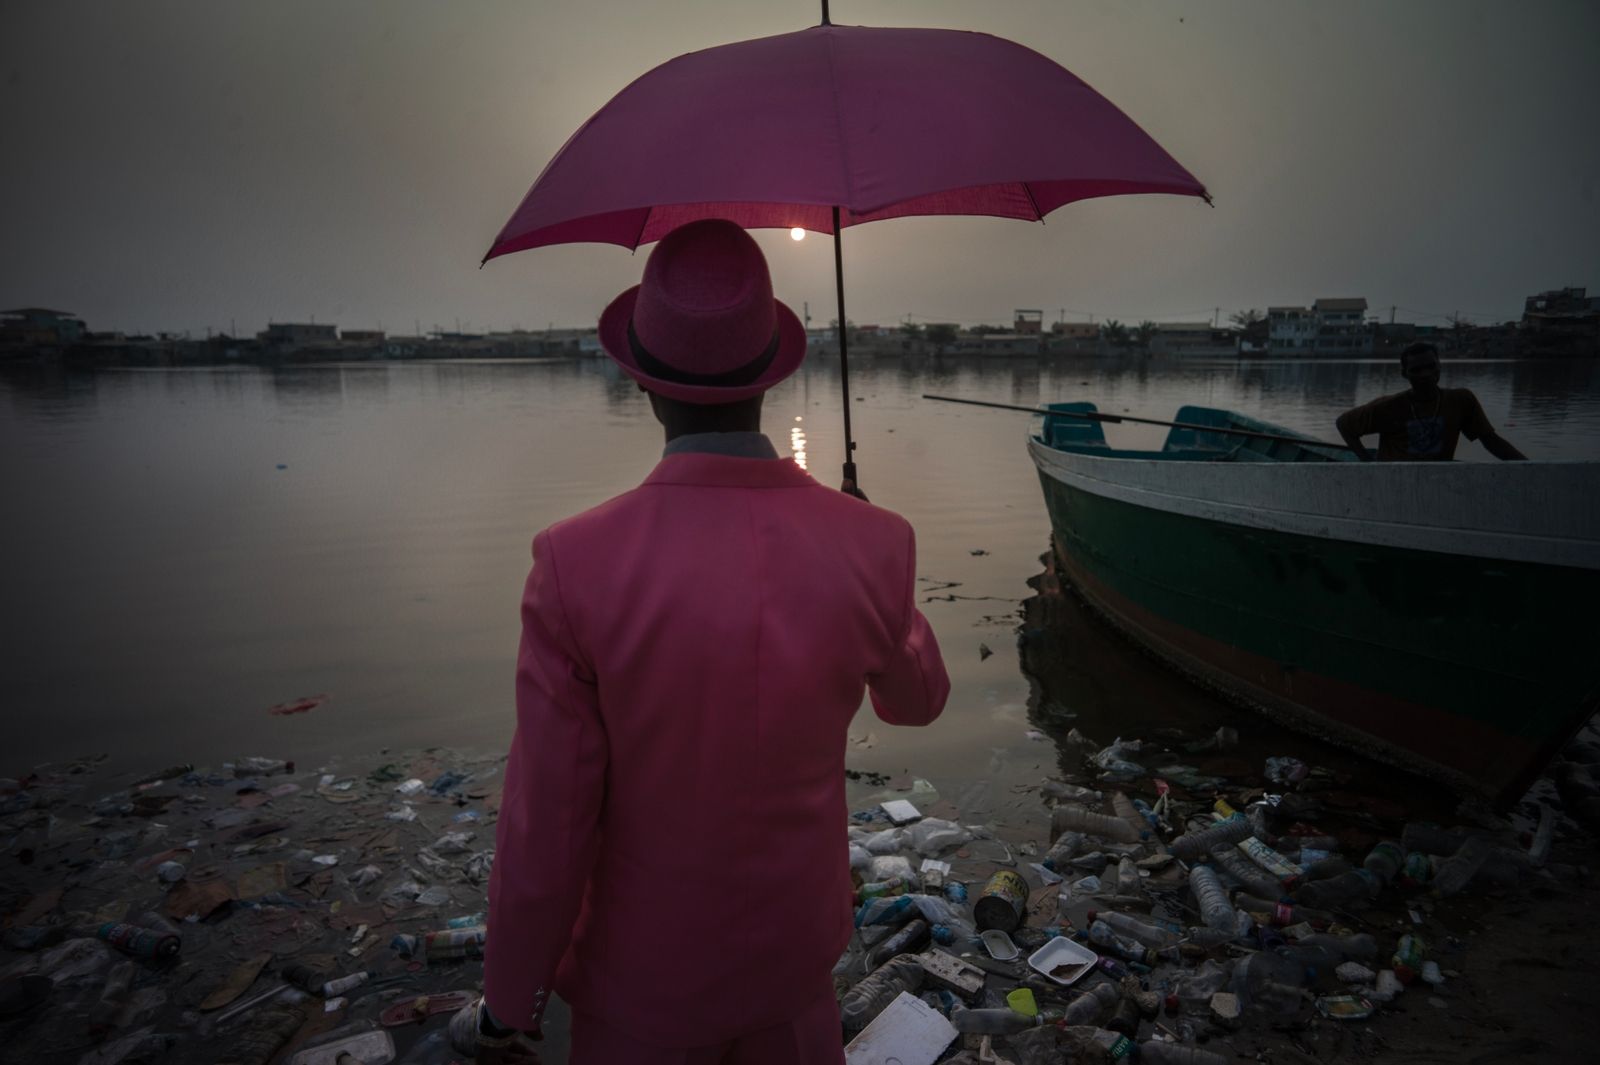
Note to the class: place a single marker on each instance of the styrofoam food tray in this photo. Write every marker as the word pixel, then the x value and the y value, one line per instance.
pixel 1062 951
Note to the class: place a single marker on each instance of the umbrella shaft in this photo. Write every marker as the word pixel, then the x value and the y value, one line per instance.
pixel 844 356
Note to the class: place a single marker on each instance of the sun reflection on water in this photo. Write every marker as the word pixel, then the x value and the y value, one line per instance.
pixel 797 442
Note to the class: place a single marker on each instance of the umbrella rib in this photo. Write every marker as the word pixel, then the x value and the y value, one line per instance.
pixel 1033 202
pixel 643 222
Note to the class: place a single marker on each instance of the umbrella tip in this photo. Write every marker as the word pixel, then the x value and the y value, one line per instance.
pixel 1206 196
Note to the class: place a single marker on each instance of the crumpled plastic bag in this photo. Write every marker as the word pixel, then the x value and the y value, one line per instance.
pixel 365 875
pixel 404 892
pixel 1195 988
pixel 1113 759
pixel 889 866
pixel 886 842
pixel 885 910
pixel 860 857
pixel 932 835
pixel 938 912
pixel 480 865
pixel 1286 770
pixel 453 843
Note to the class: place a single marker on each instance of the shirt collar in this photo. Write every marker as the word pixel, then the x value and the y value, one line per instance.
pixel 742 445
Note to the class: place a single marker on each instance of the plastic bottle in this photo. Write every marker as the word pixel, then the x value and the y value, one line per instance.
pixel 453 944
pixel 1077 818
pixel 1325 868
pixel 335 988
pixel 1153 936
pixel 1245 871
pixel 431 1048
pixel 1455 872
pixel 1125 1018
pixel 1094 1005
pixel 1431 839
pixel 895 885
pixel 113 997
pixel 868 998
pixel 1070 792
pixel 1149 815
pixel 305 977
pixel 1210 897
pixel 907 940
pixel 1269 983
pixel 1124 808
pixel 1385 861
pixel 1160 1052
pixel 1417 871
pixel 1129 883
pixel 1099 1044
pixel 1104 937
pixel 1357 947
pixel 1281 914
pixel 1189 847
pixel 1062 851
pixel 1408 957
pixel 993 1022
pixel 1356 886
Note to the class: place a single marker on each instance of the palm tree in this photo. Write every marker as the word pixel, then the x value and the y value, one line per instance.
pixel 1114 333
pixel 1144 333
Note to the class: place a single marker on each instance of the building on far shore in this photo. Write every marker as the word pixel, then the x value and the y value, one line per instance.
pixel 1562 319
pixel 1342 327
pixel 38 331
pixel 1290 330
pixel 1193 340
pixel 1327 327
pixel 297 334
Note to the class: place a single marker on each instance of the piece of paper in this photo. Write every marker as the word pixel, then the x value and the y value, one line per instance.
pixel 908 1032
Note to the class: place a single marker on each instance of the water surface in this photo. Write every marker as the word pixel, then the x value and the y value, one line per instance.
pixel 186 548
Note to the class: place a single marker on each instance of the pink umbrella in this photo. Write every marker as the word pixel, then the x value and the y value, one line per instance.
pixel 833 126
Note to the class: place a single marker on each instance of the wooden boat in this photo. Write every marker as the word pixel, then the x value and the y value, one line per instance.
pixel 1444 617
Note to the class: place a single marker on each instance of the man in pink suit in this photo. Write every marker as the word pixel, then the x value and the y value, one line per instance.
pixel 671 852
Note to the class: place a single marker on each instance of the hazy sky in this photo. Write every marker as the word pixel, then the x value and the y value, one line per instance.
pixel 181 165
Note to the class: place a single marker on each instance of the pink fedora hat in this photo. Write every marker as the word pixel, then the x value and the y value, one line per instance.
pixel 702 326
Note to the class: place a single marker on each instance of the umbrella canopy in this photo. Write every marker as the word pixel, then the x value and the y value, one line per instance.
pixel 879 123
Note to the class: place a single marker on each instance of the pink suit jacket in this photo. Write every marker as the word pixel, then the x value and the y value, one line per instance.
pixel 671 851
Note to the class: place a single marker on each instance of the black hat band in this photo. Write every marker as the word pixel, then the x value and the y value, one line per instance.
pixel 739 375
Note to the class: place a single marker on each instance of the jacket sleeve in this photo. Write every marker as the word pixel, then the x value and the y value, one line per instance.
pixel 547 836
pixel 912 686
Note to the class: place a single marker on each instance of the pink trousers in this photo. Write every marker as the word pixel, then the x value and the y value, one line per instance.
pixel 811 1038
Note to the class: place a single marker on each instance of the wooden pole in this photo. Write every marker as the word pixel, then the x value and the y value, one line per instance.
pixel 1114 418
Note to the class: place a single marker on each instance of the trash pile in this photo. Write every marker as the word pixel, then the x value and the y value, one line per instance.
pixel 1167 914
pixel 258 914
pixel 248 914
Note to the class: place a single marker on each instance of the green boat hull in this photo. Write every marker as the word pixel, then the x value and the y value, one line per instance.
pixel 1469 669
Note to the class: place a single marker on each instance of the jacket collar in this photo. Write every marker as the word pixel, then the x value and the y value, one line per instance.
pixel 702 468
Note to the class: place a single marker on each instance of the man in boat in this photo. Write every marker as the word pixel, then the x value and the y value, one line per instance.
pixel 1423 423
pixel 670 854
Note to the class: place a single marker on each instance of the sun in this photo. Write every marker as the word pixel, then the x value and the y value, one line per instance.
pixel 797 233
